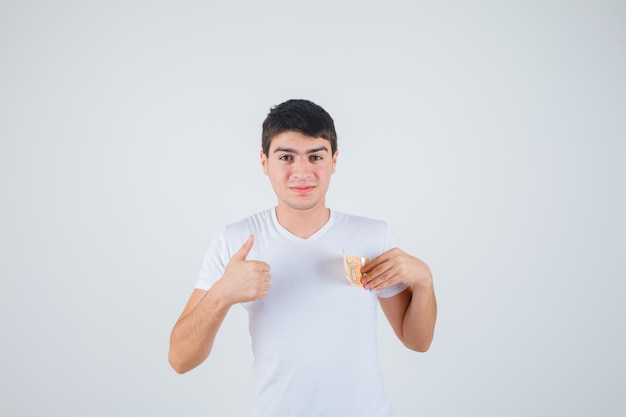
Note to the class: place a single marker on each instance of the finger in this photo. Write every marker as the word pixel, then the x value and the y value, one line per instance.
pixel 242 253
pixel 371 265
pixel 267 277
pixel 383 285
pixel 382 281
pixel 375 274
pixel 264 266
pixel 376 267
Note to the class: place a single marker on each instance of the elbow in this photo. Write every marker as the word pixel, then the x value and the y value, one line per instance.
pixel 179 369
pixel 421 346
pixel 418 348
pixel 183 361
pixel 178 364
pixel 419 338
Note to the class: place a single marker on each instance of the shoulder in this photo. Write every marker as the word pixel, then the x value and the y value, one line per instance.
pixel 363 231
pixel 260 219
pixel 259 224
pixel 350 220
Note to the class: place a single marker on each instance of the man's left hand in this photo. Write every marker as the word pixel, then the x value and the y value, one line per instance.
pixel 393 267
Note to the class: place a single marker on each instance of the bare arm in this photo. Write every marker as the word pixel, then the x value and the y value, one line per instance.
pixel 193 335
pixel 412 313
pixel 192 338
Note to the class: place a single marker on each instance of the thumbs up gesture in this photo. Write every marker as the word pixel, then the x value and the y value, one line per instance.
pixel 243 280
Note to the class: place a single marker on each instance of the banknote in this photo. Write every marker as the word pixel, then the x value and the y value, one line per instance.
pixel 353 266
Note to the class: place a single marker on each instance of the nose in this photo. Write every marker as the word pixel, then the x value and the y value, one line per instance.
pixel 301 168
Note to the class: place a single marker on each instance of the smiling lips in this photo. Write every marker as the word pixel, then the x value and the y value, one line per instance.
pixel 302 189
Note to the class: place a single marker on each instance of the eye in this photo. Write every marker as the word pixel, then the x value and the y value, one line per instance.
pixel 285 157
pixel 316 158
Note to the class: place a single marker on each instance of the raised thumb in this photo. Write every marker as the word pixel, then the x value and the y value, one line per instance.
pixel 241 254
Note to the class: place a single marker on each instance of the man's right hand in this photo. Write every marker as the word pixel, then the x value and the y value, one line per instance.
pixel 243 280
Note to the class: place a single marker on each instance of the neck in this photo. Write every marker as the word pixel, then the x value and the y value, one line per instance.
pixel 302 223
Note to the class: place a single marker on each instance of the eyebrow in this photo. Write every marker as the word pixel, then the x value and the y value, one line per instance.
pixel 310 151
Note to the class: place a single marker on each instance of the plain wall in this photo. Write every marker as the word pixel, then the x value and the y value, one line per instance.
pixel 490 135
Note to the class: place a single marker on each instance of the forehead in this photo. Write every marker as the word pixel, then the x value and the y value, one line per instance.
pixel 297 141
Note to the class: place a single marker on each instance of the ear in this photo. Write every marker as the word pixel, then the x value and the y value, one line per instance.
pixel 264 162
pixel 335 160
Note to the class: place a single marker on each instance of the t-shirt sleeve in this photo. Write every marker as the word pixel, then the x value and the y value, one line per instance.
pixel 391 241
pixel 214 263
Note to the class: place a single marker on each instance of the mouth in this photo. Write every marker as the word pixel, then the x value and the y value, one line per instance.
pixel 302 189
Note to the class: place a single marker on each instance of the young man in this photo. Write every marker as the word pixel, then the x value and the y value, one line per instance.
pixel 313 333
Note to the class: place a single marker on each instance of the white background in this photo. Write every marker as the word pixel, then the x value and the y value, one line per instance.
pixel 491 135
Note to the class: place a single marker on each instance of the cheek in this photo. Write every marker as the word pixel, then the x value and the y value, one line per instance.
pixel 278 175
pixel 325 172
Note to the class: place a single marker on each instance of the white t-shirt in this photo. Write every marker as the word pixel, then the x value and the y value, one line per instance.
pixel 314 335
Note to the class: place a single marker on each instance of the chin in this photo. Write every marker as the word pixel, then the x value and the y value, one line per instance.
pixel 302 205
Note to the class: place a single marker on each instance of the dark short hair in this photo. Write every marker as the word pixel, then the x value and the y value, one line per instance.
pixel 301 116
